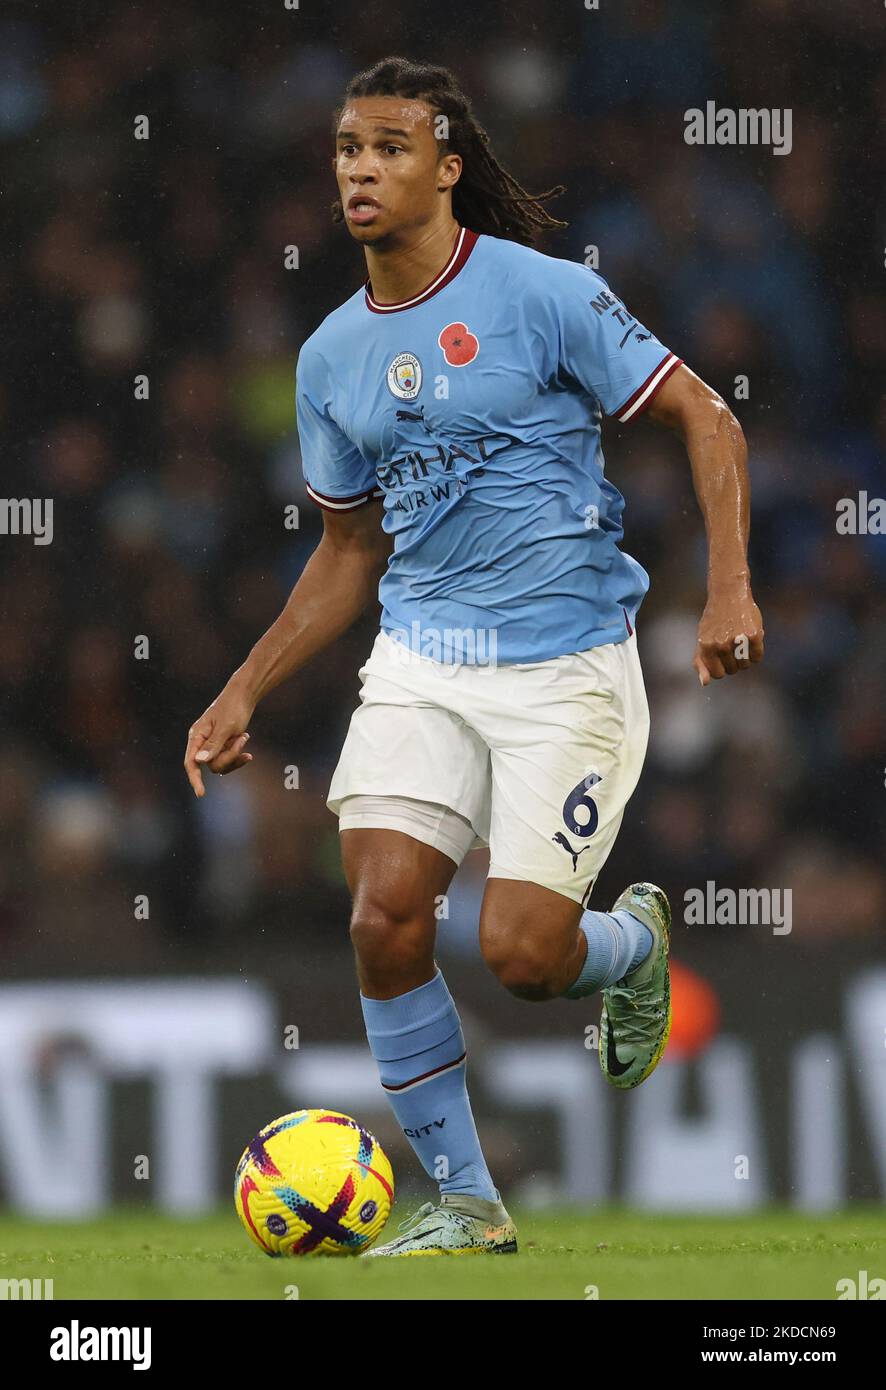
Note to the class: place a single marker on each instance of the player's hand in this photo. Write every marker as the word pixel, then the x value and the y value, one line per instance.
pixel 730 635
pixel 217 739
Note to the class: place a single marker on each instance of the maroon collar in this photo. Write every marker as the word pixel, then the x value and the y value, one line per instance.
pixel 464 245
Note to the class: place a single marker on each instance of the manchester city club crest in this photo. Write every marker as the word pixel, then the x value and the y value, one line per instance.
pixel 404 376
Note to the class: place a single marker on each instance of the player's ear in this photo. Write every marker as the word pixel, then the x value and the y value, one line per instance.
pixel 450 171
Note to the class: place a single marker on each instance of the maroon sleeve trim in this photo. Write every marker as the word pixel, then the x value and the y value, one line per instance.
pixel 645 393
pixel 343 504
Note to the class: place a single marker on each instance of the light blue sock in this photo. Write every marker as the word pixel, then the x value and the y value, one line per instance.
pixel 417 1041
pixel 617 943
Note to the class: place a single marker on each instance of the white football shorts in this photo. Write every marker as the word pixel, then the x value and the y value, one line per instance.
pixel 536 760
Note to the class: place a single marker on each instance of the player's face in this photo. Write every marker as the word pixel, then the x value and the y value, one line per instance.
pixel 390 169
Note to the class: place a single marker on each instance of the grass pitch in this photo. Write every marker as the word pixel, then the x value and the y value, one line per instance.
pixel 565 1254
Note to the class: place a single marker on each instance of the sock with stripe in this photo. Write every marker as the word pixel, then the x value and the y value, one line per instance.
pixel 417 1042
pixel 617 943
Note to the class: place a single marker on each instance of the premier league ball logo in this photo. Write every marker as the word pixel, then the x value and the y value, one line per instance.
pixel 404 376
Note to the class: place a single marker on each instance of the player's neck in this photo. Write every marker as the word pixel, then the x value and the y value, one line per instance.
pixel 401 271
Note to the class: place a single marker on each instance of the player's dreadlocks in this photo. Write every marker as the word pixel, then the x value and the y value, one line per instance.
pixel 486 197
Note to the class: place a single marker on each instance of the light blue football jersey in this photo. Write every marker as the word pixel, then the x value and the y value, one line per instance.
pixel 474 411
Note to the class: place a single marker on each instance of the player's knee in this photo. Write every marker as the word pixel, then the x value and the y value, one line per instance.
pixel 521 966
pixel 396 937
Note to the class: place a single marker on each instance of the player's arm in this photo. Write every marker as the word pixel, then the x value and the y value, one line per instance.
pixel 338 582
pixel 730 634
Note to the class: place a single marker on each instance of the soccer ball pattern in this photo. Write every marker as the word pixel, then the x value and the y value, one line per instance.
pixel 314 1183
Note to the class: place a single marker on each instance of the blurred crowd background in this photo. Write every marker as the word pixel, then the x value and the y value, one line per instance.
pixel 165 257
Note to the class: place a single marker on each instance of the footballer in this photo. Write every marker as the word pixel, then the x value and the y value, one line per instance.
pixel 449 417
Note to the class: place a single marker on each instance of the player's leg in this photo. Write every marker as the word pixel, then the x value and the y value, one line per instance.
pixel 557 805
pixel 532 938
pixel 541 945
pixel 414 1031
pixel 397 882
pixel 412 769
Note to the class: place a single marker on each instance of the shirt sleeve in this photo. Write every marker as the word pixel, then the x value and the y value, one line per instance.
pixel 605 348
pixel 337 475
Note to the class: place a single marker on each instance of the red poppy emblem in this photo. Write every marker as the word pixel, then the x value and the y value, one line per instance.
pixel 459 345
